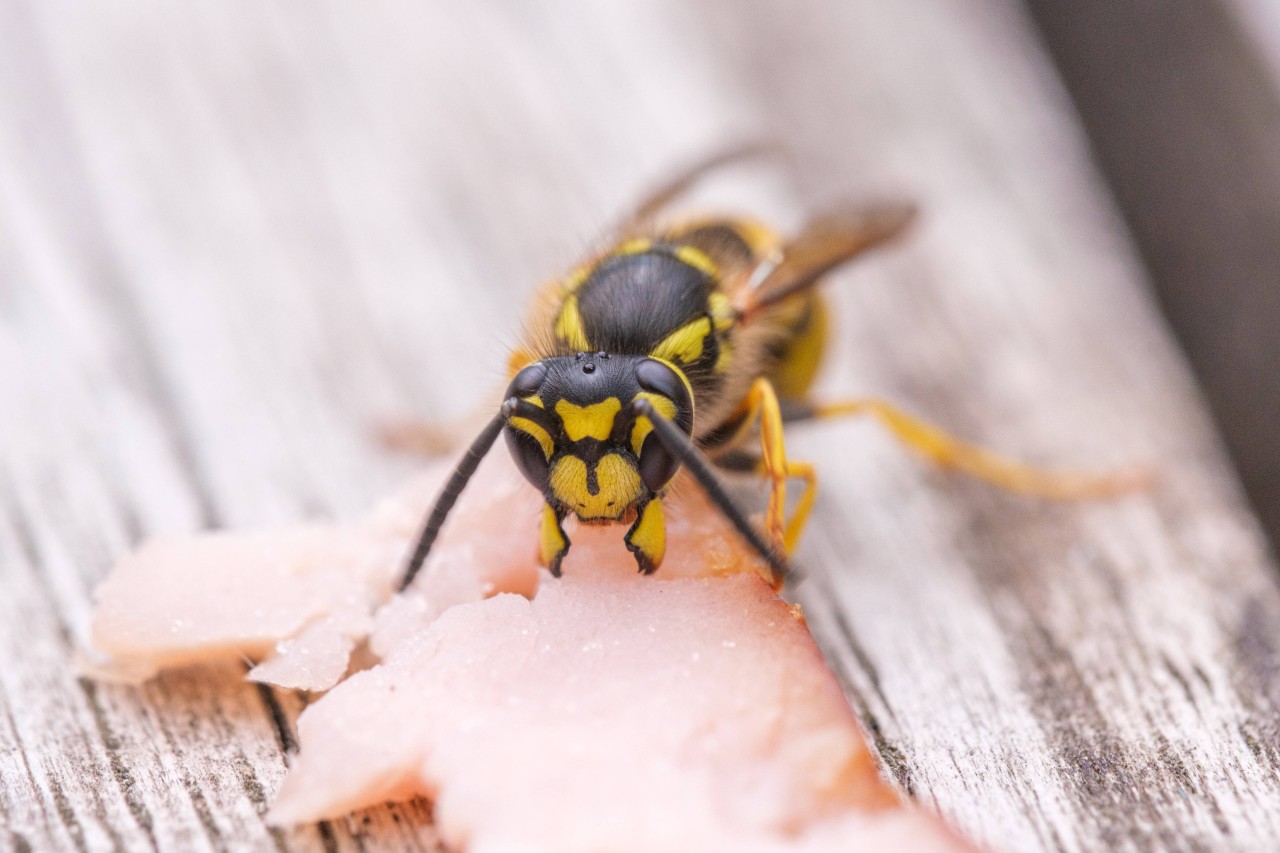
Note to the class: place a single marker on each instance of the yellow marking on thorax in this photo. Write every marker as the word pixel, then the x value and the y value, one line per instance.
pixel 643 426
pixel 722 314
pixel 569 326
pixel 575 279
pixel 594 421
pixel 725 358
pixel 619 483
pixel 634 247
pixel 698 259
pixel 676 369
pixel 684 345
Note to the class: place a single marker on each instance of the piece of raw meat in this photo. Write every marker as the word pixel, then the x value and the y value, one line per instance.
pixel 603 710
pixel 301 598
pixel 610 712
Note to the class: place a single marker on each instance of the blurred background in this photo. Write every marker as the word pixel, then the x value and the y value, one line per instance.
pixel 1181 103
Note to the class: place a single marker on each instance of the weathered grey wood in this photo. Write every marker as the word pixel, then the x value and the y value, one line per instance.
pixel 1181 101
pixel 233 235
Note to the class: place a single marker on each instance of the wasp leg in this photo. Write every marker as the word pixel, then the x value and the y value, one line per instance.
pixel 647 538
pixel 696 464
pixel 554 543
pixel 794 526
pixel 947 451
pixel 763 401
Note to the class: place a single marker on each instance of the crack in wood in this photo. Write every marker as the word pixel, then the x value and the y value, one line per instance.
pixel 120 772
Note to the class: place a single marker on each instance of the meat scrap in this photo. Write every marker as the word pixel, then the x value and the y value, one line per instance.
pixel 301 599
pixel 603 710
pixel 612 714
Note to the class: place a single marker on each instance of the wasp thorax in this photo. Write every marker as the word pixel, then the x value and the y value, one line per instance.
pixel 574 431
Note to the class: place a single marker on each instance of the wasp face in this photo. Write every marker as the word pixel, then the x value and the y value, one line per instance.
pixel 577 438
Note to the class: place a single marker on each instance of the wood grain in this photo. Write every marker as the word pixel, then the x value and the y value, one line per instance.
pixel 232 236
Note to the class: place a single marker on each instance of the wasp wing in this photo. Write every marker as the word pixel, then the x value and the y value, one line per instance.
pixel 827 242
pixel 664 194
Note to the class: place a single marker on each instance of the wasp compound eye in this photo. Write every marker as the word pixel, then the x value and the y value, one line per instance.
pixel 527 434
pixel 529 457
pixel 527 381
pixel 658 378
pixel 657 464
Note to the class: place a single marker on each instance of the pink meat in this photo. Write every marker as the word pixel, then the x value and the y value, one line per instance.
pixel 300 599
pixel 686 711
pixel 608 713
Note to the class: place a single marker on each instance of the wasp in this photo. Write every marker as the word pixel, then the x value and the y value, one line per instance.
pixel 689 345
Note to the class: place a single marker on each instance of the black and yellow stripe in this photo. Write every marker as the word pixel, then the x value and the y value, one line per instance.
pixel 647 297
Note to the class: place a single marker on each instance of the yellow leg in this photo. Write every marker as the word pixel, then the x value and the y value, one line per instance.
pixel 949 452
pixel 800 516
pixel 784 532
pixel 647 538
pixel 553 544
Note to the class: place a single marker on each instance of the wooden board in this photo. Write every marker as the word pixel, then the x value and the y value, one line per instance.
pixel 234 236
pixel 1181 102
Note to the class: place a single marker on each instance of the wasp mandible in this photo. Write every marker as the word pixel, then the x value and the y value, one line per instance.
pixel 690 344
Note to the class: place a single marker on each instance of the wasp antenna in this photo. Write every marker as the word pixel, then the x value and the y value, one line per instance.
pixel 457 482
pixel 680 446
pixel 524 409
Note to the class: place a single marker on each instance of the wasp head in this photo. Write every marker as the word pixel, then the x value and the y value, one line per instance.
pixel 573 430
